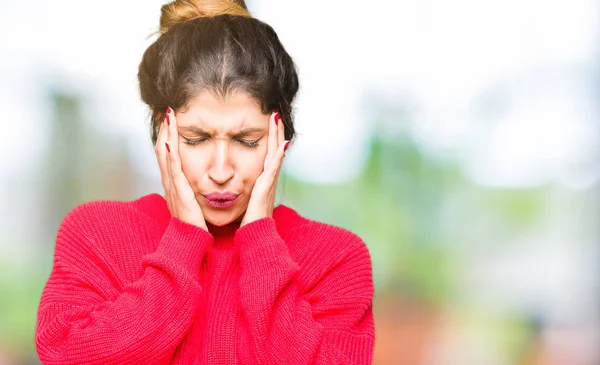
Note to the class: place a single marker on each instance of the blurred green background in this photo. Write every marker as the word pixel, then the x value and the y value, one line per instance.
pixel 460 140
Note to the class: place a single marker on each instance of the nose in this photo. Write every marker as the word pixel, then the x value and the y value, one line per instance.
pixel 221 169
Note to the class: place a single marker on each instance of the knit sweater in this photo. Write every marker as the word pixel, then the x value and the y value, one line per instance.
pixel 131 284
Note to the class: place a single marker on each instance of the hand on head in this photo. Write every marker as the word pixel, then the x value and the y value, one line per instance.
pixel 178 192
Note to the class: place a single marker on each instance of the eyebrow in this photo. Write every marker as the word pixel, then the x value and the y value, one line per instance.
pixel 201 132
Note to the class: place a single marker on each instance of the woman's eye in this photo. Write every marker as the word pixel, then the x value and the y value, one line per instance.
pixel 193 142
pixel 252 144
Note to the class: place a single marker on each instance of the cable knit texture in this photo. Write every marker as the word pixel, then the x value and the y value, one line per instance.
pixel 132 285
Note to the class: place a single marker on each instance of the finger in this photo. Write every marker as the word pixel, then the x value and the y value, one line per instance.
pixel 161 153
pixel 177 177
pixel 272 140
pixel 275 166
pixel 280 132
pixel 168 177
pixel 173 141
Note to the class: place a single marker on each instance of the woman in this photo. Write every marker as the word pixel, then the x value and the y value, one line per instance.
pixel 211 273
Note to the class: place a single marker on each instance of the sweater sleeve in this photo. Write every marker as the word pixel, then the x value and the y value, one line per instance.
pixel 86 317
pixel 331 323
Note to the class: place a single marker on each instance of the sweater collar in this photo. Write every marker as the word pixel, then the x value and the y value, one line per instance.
pixel 156 207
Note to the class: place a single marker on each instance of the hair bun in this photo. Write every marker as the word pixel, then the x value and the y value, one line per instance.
pixel 180 11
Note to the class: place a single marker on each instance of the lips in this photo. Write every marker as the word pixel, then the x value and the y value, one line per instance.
pixel 221 200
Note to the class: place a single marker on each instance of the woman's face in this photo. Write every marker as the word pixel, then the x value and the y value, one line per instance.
pixel 222 145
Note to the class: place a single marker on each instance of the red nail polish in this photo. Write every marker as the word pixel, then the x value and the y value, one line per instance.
pixel 169 110
pixel 287 144
pixel 277 117
pixel 168 149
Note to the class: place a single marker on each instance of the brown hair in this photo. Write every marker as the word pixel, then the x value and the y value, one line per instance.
pixel 216 46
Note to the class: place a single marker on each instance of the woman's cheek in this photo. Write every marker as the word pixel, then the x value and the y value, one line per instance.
pixel 252 164
pixel 191 163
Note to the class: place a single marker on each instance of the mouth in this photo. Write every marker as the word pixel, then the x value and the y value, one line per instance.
pixel 221 200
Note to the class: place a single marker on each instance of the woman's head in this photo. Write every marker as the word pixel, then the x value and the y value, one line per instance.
pixel 203 47
pixel 221 71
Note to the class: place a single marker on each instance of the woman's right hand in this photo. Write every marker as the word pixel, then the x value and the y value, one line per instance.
pixel 178 192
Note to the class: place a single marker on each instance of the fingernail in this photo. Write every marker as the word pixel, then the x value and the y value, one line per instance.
pixel 169 110
pixel 168 149
pixel 287 144
pixel 277 116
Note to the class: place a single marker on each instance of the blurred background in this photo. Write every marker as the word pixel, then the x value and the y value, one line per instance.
pixel 460 139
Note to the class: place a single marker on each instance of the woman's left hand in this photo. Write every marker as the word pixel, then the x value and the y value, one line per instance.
pixel 262 198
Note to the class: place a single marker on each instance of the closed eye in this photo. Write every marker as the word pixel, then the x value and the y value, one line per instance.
pixel 194 142
pixel 251 144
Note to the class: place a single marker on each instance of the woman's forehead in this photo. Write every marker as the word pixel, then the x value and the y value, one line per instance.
pixel 216 114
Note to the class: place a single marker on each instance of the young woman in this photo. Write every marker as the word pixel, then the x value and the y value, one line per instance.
pixel 211 272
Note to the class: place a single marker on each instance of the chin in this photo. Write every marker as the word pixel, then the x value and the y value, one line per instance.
pixel 221 218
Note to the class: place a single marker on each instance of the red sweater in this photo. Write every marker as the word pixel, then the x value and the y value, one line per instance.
pixel 132 285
